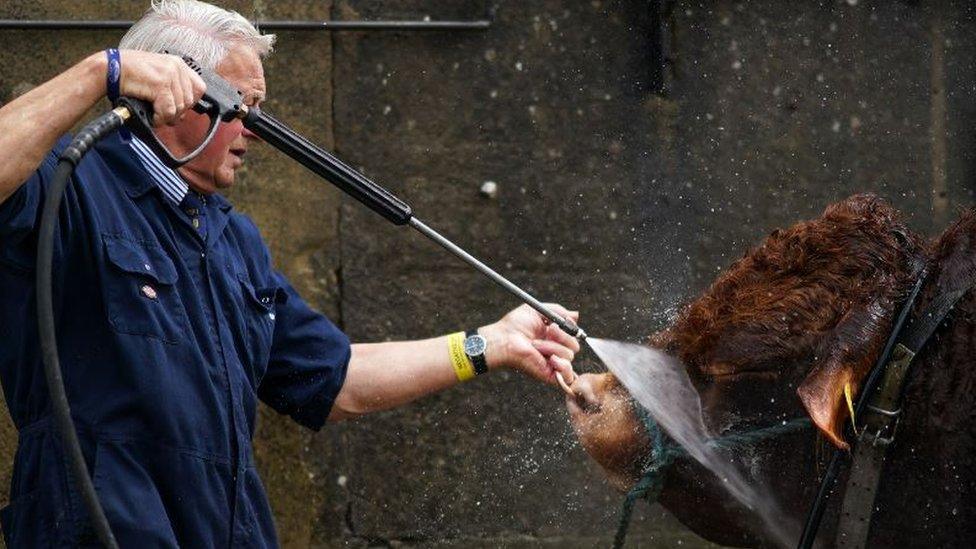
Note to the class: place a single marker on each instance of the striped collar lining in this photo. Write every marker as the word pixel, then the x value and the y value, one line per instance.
pixel 172 185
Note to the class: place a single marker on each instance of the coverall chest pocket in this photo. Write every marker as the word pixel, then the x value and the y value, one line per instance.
pixel 259 322
pixel 139 288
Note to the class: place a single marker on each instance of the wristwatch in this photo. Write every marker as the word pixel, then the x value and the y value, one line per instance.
pixel 474 347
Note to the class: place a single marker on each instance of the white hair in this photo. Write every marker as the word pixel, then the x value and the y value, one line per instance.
pixel 200 30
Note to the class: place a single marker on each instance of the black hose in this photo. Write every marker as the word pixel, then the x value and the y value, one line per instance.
pixel 815 515
pixel 67 162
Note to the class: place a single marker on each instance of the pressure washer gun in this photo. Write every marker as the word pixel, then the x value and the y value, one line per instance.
pixel 223 103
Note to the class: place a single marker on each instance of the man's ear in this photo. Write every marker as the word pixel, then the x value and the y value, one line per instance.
pixel 822 394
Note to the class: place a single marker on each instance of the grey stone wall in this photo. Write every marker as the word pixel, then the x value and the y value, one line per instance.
pixel 611 198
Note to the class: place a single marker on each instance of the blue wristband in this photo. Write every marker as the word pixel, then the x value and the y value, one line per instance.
pixel 114 74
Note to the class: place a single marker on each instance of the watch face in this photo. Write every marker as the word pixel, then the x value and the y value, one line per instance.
pixel 474 345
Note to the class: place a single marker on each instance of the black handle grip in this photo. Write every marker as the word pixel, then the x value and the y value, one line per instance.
pixel 221 102
pixel 141 124
pixel 331 168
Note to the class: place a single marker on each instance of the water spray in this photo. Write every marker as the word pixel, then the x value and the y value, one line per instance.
pixel 221 103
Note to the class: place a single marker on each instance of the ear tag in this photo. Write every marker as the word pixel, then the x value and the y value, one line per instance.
pixel 850 405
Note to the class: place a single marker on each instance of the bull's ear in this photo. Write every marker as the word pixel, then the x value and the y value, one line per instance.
pixel 848 353
pixel 822 394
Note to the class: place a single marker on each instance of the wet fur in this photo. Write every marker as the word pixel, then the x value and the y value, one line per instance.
pixel 810 308
pixel 814 290
pixel 816 299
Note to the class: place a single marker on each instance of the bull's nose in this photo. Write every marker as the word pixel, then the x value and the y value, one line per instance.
pixel 585 394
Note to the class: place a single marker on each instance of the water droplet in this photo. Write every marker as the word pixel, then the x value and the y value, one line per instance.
pixel 489 189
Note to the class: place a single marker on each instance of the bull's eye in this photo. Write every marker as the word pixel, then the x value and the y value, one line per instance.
pixel 718 369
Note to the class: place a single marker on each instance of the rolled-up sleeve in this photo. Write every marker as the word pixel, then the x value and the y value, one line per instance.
pixel 21 211
pixel 309 358
pixel 20 215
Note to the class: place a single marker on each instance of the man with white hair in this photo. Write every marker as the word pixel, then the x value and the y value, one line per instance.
pixel 172 322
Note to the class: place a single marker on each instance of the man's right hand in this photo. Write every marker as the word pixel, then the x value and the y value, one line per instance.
pixel 163 80
pixel 32 123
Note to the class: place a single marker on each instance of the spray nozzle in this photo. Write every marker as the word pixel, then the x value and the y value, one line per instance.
pixel 572 329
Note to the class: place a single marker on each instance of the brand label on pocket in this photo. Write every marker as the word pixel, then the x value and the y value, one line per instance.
pixel 149 291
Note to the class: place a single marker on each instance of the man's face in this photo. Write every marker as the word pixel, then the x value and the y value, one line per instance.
pixel 215 167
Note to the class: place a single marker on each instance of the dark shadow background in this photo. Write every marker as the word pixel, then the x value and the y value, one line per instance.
pixel 638 148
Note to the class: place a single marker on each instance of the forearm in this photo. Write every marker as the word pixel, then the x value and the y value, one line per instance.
pixel 32 123
pixel 386 375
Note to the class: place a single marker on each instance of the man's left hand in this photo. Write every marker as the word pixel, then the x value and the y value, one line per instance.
pixel 525 340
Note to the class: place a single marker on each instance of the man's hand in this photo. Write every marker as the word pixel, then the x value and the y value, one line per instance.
pixel 32 123
pixel 524 340
pixel 385 375
pixel 163 80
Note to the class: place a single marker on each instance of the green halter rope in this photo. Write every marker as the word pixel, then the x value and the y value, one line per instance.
pixel 664 452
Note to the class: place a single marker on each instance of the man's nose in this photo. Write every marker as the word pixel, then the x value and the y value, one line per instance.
pixel 248 134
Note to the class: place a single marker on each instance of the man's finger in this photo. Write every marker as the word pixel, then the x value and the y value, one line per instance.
pixel 179 101
pixel 198 85
pixel 563 311
pixel 186 84
pixel 538 367
pixel 164 108
pixel 563 366
pixel 548 348
pixel 558 309
pixel 556 333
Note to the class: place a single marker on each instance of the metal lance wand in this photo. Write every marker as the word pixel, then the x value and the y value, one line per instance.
pixel 379 200
pixel 223 103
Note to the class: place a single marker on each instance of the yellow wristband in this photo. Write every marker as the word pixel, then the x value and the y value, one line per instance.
pixel 463 368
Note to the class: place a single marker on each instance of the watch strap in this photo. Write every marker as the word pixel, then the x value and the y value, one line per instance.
pixel 480 364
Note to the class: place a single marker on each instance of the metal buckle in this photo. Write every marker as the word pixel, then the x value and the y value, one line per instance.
pixel 884 412
pixel 876 438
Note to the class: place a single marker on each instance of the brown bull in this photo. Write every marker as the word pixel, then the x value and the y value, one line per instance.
pixel 779 335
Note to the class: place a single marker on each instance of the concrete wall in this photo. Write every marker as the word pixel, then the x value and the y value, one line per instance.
pixel 611 198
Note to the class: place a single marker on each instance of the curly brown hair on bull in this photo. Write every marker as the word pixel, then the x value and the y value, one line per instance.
pixel 804 314
pixel 818 297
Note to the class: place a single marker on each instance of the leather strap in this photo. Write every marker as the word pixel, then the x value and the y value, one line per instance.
pixel 879 421
pixel 862 486
pixel 480 364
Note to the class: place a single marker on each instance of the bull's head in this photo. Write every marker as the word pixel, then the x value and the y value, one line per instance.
pixel 781 333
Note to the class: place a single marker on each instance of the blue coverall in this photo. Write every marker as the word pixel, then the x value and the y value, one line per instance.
pixel 167 340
